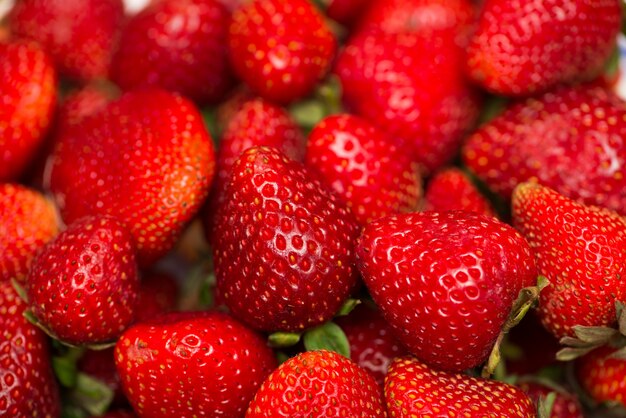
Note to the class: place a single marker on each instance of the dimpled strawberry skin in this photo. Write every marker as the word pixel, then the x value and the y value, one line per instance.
pixel 445 281
pixel 451 189
pixel 602 377
pixel 566 405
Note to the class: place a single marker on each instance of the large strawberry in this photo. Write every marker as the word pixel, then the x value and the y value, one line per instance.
pixel 146 159
pixel 582 252
pixel 451 189
pixel 522 48
pixel 445 281
pixel 200 364
pixel 319 384
pixel 602 376
pixel 284 251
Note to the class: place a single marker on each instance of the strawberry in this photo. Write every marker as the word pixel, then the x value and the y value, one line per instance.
pixel 284 251
pixel 28 88
pixel 569 140
pixel 373 176
pixel 82 103
pixel 78 34
pixel 414 389
pixel 178 45
pixel 280 48
pixel 126 161
pixel 603 377
pixel 346 12
pixel 158 293
pixel 83 285
pixel 566 405
pixel 27 222
pixel 522 49
pixel 580 249
pixel 318 383
pixel 27 385
pixel 445 281
pixel 100 364
pixel 201 364
pixel 451 189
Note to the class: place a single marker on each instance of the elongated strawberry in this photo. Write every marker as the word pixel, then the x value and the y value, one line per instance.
pixel 522 48
pixel 284 251
pixel 582 252
pixel 566 404
pixel 414 389
pixel 451 189
pixel 222 363
pixel 445 281
pixel 603 377
pixel 318 383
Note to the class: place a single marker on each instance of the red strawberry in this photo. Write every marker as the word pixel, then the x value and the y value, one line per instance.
pixel 158 293
pixel 569 140
pixel 373 176
pixel 201 364
pixel 280 48
pixel 566 405
pixel 78 34
pixel 178 45
pixel 451 189
pixel 284 251
pixel 580 249
pixel 414 389
pixel 603 377
pixel 231 106
pixel 28 221
pixel 445 281
pixel 346 12
pixel 100 364
pixel 522 48
pixel 83 285
pixel 28 88
pixel 27 385
pixel 82 103
pixel 145 159
pixel 320 384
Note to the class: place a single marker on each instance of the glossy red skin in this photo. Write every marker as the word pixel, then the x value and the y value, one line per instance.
pixel 566 405
pixel 372 176
pixel 580 249
pixel 27 385
pixel 113 165
pixel 451 189
pixel 100 364
pixel 80 35
pixel 346 12
pixel 83 285
pixel 445 281
pixel 284 251
pixel 27 222
pixel 569 140
pixel 28 88
pixel 177 45
pixel 437 393
pixel 418 96
pixel 372 343
pixel 553 42
pixel 318 383
pixel 280 48
pixel 158 294
pixel 603 378
pixel 216 362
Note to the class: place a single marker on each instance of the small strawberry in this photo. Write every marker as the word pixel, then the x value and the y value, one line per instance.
pixel 522 48
pixel 451 189
pixel 346 12
pixel 82 103
pixel 100 364
pixel 27 222
pixel 445 281
pixel 280 48
pixel 603 377
pixel 200 364
pixel 413 389
pixel 373 176
pixel 83 285
pixel 580 249
pixel 158 293
pixel 320 384
pixel 565 405
pixel 284 251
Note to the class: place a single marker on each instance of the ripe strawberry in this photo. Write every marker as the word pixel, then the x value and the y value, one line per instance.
pixel 28 88
pixel 178 45
pixel 27 222
pixel 280 48
pixel 569 140
pixel 445 281
pixel 414 389
pixel 82 103
pixel 200 364
pixel 284 251
pixel 79 34
pixel 346 12
pixel 602 377
pixel 522 49
pixel 321 384
pixel 566 405
pixel 451 189
pixel 580 249
pixel 418 96
pixel 145 159
pixel 83 285
pixel 100 364
pixel 27 385
pixel 373 176
pixel 158 294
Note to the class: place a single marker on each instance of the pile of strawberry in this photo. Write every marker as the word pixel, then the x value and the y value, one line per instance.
pixel 288 208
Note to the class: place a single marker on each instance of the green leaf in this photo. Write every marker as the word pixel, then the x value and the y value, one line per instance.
pixel 19 289
pixel 594 335
pixel 73 411
pixel 621 317
pixel 65 367
pixel 281 357
pixel 545 405
pixel 619 354
pixel 328 336
pixel 348 306
pixel 91 394
pixel 570 353
pixel 283 339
